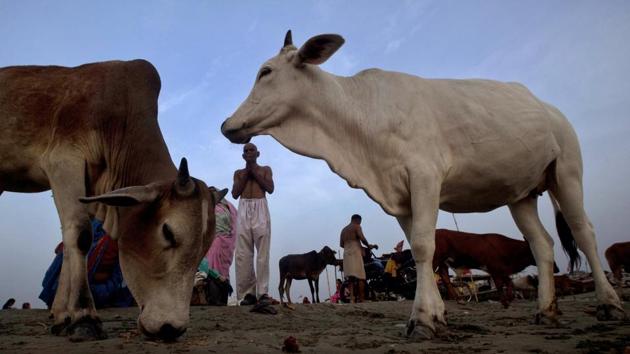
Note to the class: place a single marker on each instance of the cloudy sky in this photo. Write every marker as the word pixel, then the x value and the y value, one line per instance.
pixel 573 54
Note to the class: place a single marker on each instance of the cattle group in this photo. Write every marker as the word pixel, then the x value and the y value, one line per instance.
pixel 415 146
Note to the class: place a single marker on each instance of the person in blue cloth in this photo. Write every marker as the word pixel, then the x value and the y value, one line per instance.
pixel 104 275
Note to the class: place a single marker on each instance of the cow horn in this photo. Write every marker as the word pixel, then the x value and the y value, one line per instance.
pixel 184 185
pixel 288 39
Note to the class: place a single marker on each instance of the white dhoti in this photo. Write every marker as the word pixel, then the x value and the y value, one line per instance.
pixel 254 230
pixel 353 260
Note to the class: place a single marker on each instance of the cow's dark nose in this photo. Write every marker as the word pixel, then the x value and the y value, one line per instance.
pixel 168 333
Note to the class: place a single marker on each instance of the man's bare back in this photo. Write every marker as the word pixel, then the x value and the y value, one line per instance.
pixel 352 232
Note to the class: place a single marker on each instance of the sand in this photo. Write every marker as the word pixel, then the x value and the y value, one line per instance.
pixel 374 327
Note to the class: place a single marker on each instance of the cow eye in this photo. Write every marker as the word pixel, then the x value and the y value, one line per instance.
pixel 264 71
pixel 168 235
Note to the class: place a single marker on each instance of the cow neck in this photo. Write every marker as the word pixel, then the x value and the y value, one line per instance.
pixel 140 157
pixel 335 129
pixel 137 156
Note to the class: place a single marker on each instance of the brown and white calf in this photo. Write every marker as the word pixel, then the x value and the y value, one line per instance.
pixel 90 134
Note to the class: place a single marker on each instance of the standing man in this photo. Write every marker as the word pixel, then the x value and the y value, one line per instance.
pixel 254 228
pixel 351 239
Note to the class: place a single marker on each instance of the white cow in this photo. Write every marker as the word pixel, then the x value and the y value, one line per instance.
pixel 416 145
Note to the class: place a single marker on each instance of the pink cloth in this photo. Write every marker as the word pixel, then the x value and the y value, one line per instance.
pixel 335 298
pixel 221 252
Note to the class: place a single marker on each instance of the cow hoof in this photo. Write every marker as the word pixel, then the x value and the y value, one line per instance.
pixel 542 319
pixel 59 329
pixel 607 312
pixel 86 329
pixel 418 331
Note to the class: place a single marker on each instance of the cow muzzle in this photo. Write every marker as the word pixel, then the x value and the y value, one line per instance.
pixel 167 332
pixel 235 135
pixel 166 329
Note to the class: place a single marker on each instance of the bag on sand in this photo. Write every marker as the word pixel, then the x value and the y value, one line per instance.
pixel 211 291
pixel 217 292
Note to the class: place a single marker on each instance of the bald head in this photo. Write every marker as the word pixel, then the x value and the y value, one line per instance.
pixel 249 146
pixel 250 152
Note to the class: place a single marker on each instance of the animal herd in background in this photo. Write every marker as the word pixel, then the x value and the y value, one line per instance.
pixel 499 256
pixel 90 134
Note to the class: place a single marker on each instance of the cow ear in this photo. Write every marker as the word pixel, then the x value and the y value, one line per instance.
pixel 318 49
pixel 128 196
pixel 218 195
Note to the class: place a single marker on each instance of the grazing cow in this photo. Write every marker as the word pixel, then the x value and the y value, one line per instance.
pixel 562 283
pixel 416 145
pixel 304 266
pixel 525 286
pixel 618 257
pixel 90 134
pixel 495 254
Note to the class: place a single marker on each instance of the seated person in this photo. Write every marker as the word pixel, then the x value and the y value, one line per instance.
pixel 392 265
pixel 9 304
pixel 104 275
pixel 212 284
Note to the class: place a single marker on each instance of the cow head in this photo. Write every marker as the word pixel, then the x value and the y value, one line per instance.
pixel 163 231
pixel 328 255
pixel 284 88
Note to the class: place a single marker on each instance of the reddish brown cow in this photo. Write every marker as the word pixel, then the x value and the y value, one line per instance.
pixel 496 254
pixel 618 257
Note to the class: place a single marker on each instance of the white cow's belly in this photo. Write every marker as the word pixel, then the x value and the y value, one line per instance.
pixel 499 173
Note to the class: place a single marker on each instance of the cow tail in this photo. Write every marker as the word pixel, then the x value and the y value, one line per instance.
pixel 566 237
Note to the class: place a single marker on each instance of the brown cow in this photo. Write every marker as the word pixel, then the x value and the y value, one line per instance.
pixel 618 257
pixel 91 133
pixel 498 255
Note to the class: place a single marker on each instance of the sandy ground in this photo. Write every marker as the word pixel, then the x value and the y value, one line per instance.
pixel 326 328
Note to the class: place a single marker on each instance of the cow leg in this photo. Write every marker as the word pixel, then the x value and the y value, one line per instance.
pixel 525 214
pixel 310 285
pixel 498 282
pixel 615 269
pixel 443 272
pixel 509 287
pixel 287 289
pixel 316 280
pixel 505 292
pixel 73 308
pixel 568 192
pixel 281 288
pixel 428 307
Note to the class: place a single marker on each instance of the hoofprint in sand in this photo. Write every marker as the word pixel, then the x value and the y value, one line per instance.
pixel 374 327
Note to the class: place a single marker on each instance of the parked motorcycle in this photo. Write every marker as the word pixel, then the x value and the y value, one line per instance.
pixel 383 286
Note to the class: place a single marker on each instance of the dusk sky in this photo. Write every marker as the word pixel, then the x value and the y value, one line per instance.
pixel 572 54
